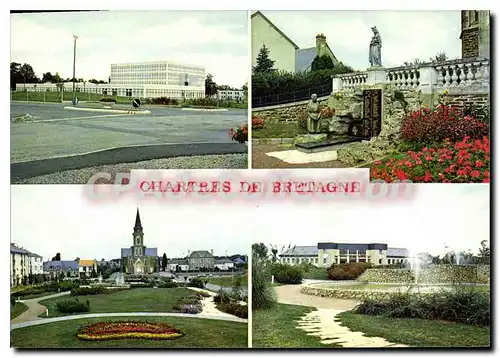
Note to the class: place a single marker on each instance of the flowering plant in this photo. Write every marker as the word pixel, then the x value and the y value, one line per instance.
pixel 444 122
pixel 338 95
pixel 257 123
pixel 240 134
pixel 327 112
pixel 127 329
pixel 465 161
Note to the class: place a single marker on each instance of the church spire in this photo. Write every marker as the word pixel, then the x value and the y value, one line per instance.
pixel 138 225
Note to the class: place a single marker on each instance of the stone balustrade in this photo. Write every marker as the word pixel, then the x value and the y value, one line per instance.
pixel 454 76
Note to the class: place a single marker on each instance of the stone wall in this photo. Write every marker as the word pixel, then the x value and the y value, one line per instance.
pixel 478 101
pixel 433 275
pixel 351 294
pixel 288 114
pixel 470 42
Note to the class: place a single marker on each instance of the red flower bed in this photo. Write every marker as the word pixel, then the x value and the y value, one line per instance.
pixel 257 123
pixel 240 134
pixel 466 161
pixel 444 122
pixel 127 329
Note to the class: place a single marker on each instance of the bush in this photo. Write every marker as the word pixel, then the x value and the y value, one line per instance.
pixel 107 99
pixel 85 291
pixel 12 300
pixel 466 161
pixel 72 306
pixel 234 308
pixel 426 126
pixel 327 112
pixel 222 297
pixel 287 274
pixel 347 271
pixel 302 117
pixel 189 304
pixel 167 285
pixel 463 305
pixel 257 123
pixel 164 101
pixel 263 295
pixel 239 135
pixel 196 282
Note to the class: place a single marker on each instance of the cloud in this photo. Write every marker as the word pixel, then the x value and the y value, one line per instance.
pixel 203 38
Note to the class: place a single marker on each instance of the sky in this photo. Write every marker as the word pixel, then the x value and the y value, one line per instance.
pixel 46 219
pixel 406 35
pixel 217 40
pixel 438 215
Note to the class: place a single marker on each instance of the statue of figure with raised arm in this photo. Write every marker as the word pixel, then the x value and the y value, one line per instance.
pixel 375 54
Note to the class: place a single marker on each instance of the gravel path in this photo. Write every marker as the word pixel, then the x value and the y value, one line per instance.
pixel 34 309
pixel 290 294
pixel 81 176
pixel 260 160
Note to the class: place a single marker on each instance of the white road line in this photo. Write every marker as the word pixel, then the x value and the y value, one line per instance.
pixel 67 119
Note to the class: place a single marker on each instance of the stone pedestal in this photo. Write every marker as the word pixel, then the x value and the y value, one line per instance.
pixel 375 76
pixel 336 85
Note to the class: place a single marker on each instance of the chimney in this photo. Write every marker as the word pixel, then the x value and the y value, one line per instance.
pixel 188 252
pixel 212 252
pixel 320 44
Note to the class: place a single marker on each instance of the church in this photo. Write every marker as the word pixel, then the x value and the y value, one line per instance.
pixel 139 259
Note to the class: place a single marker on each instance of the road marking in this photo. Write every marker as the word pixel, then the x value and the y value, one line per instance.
pixel 67 119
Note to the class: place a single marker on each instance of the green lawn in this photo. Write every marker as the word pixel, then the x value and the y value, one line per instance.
pixel 198 333
pixel 316 273
pixel 133 300
pixel 226 281
pixel 17 309
pixel 418 332
pixel 50 96
pixel 278 130
pixel 276 328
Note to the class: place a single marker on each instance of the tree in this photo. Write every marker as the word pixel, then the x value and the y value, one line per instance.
pixel 264 63
pixel 21 74
pixel 484 253
pixel 164 261
pixel 48 78
pixel 440 57
pixel 210 86
pixel 244 88
pixel 57 257
pixel 93 274
pixel 323 62
pixel 260 250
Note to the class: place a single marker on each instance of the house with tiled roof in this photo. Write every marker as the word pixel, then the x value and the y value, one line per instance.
pixel 288 56
pixel 201 260
pixel 62 267
pixel 86 267
pixel 23 263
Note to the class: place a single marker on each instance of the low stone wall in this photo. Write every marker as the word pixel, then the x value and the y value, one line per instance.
pixel 433 275
pixel 478 101
pixel 283 114
pixel 350 294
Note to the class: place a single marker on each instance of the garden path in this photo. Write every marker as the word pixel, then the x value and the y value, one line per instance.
pixel 34 308
pixel 323 322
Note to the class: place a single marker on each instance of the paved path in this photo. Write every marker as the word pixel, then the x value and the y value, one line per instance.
pixel 34 308
pixel 323 322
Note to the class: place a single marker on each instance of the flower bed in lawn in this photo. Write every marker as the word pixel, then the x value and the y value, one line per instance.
pixel 102 331
pixel 466 161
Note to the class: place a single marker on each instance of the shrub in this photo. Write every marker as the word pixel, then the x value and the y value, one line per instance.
pixel 222 297
pixel 257 123
pixel 288 274
pixel 12 300
pixel 466 161
pixel 167 285
pixel 302 117
pixel 347 271
pixel 327 112
pixel 191 309
pixel 85 291
pixel 196 282
pixel 72 306
pixel 234 308
pixel 426 126
pixel 463 305
pixel 263 295
pixel 164 101
pixel 138 285
pixel 239 135
pixel 107 99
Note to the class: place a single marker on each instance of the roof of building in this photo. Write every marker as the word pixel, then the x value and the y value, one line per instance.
pixel 60 265
pixel 275 28
pixel 223 261
pixel 86 262
pixel 239 260
pixel 20 250
pixel 178 262
pixel 304 58
pixel 301 251
pixel 138 225
pixel 395 252
pixel 200 254
pixel 150 251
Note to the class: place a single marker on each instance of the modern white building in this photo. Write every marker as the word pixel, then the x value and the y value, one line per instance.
pixel 143 80
pixel 224 264
pixel 22 264
pixel 326 254
pixel 230 95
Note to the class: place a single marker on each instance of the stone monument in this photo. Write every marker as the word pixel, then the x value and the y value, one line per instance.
pixel 375 53
pixel 314 115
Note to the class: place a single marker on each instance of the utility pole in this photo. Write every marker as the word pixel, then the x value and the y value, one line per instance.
pixel 74 66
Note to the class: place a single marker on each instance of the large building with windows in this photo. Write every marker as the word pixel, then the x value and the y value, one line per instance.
pixel 143 80
pixel 327 253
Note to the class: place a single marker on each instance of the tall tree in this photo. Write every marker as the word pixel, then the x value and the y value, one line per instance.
pixel 323 62
pixel 164 262
pixel 21 74
pixel 48 77
pixel 57 257
pixel 210 86
pixel 484 252
pixel 260 250
pixel 264 63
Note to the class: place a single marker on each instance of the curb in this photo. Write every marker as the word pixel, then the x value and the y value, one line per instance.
pixel 205 109
pixel 273 141
pixel 122 111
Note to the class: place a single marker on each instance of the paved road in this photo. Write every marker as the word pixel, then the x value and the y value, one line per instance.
pixel 56 131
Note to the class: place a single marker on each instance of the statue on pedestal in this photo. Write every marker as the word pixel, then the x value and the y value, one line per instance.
pixel 375 53
pixel 314 115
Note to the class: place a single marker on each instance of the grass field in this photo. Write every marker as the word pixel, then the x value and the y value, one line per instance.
pixel 134 300
pixel 417 332
pixel 198 333
pixel 278 130
pixel 275 328
pixel 17 309
pixel 226 281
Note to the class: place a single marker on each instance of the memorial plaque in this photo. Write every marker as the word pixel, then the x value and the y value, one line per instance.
pixel 372 113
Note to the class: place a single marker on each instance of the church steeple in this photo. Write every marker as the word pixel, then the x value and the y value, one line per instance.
pixel 138 226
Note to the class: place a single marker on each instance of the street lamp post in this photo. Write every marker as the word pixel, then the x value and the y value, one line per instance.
pixel 74 67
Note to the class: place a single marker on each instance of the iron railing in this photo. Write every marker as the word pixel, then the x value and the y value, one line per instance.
pixel 290 97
